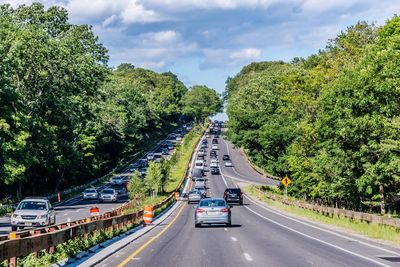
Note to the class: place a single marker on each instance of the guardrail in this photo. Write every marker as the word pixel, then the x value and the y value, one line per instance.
pixel 328 211
pixel 47 238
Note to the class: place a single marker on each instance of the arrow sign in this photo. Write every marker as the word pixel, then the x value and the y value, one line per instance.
pixel 286 181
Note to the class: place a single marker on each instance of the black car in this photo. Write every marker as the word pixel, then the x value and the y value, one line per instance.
pixel 215 141
pixel 215 171
pixel 233 195
pixel 214 156
pixel 213 152
pixel 226 157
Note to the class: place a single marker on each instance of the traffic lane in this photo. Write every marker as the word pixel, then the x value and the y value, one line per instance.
pixel 184 245
pixel 269 244
pixel 327 246
pixel 80 209
pixel 344 244
pixel 241 170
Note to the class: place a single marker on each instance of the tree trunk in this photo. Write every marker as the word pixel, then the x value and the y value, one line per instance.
pixel 382 193
pixel 19 192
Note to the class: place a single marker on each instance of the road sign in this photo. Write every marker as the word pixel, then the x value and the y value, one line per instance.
pixel 286 181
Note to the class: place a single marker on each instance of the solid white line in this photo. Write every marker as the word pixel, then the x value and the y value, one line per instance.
pixel 316 239
pixel 226 229
pixel 325 230
pixel 247 256
pixel 234 239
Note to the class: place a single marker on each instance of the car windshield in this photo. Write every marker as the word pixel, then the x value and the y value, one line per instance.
pixel 196 192
pixel 90 191
pixel 108 191
pixel 212 203
pixel 116 178
pixel 32 205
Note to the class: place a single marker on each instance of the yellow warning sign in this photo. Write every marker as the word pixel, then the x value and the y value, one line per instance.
pixel 286 181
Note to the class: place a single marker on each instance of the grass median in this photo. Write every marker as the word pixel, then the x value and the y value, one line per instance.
pixel 389 234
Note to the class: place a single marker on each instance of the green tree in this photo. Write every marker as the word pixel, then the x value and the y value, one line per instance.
pixel 200 102
pixel 137 189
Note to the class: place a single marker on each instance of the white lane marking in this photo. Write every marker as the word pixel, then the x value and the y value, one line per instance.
pixel 247 256
pixel 223 179
pixel 318 240
pixel 136 259
pixel 78 210
pixel 65 214
pixel 325 230
pixel 226 229
pixel 234 239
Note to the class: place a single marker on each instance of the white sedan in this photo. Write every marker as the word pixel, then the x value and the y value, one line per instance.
pixel 228 164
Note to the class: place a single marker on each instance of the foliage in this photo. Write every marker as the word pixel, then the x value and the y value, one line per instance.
pixel 201 102
pixel 65 116
pixel 331 121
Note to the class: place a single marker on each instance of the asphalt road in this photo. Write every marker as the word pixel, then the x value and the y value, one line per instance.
pixel 259 235
pixel 77 208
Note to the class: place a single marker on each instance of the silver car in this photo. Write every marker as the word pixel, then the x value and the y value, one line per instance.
pixel 202 189
pixel 90 193
pixel 195 196
pixel 33 212
pixel 109 194
pixel 200 182
pixel 212 211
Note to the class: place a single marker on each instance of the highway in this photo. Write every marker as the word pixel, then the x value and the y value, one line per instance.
pixel 259 235
pixel 76 208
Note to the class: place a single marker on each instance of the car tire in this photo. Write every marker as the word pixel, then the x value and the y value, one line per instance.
pixel 14 228
pixel 197 225
pixel 229 224
pixel 241 203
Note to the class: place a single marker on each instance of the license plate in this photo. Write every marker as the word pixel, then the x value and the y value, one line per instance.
pixel 28 224
pixel 212 212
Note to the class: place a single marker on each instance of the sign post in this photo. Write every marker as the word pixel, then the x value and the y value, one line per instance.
pixel 286 182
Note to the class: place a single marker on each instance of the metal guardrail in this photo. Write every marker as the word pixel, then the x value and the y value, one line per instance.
pixel 47 238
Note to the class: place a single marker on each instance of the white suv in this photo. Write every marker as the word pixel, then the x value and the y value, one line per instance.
pixel 33 211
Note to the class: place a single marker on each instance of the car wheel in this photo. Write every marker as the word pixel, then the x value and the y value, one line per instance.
pixel 14 228
pixel 241 202
pixel 197 225
pixel 229 224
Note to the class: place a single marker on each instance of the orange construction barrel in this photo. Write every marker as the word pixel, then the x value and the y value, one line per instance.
pixel 148 214
pixel 177 195
pixel 94 211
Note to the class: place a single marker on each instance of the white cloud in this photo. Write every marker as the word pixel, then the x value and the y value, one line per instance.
pixel 219 58
pixel 211 4
pixel 165 36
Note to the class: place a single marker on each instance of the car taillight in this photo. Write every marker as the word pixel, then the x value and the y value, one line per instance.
pixel 199 210
pixel 224 210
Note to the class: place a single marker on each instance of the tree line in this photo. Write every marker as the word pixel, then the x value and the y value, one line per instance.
pixel 65 115
pixel 331 121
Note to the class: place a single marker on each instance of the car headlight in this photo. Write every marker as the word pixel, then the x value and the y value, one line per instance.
pixel 15 216
pixel 41 216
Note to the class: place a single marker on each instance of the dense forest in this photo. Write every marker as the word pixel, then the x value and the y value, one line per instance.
pixel 330 121
pixel 65 115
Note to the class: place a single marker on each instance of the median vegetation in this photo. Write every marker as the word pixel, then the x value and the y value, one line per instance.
pixel 163 178
pixel 330 121
pixel 372 230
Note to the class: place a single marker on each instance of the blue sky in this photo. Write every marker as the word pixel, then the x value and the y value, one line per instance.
pixel 206 41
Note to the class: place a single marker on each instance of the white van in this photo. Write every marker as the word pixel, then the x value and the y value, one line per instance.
pixel 199 164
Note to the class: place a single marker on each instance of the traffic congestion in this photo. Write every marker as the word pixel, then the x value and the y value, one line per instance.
pixel 211 210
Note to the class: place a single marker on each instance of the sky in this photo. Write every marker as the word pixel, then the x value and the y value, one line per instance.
pixel 206 41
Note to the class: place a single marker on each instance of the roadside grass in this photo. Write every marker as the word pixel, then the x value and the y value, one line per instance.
pixel 371 230
pixel 185 151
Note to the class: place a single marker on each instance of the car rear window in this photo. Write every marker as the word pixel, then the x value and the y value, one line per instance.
pixel 212 203
pixel 234 190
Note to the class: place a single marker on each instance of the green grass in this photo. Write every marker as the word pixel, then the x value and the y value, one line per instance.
pixel 372 230
pixel 185 153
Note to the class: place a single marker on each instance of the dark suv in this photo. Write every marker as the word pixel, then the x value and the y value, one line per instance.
pixel 215 171
pixel 225 157
pixel 233 195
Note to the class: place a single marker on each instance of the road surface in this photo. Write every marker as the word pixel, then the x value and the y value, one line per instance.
pixel 259 235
